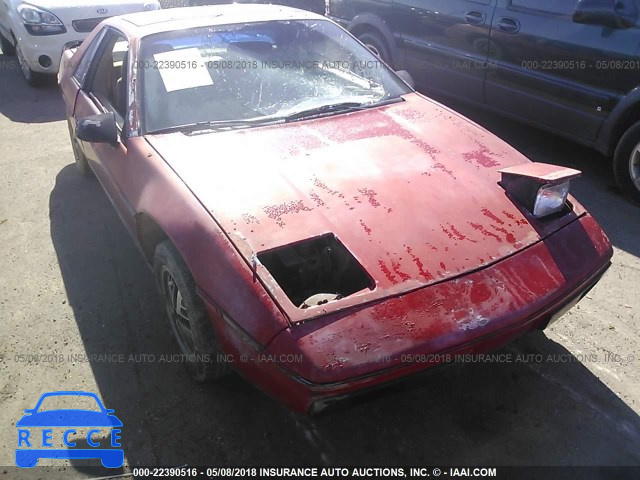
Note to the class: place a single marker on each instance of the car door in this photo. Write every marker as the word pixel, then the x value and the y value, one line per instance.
pixel 104 90
pixel 553 72
pixel 445 44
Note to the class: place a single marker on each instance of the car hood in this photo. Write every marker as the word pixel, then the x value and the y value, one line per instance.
pixel 411 189
pixel 69 418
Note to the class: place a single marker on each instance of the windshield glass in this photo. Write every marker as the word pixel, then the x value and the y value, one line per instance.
pixel 67 402
pixel 247 73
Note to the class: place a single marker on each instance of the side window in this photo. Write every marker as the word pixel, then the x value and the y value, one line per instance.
pixel 109 76
pixel 85 62
pixel 559 7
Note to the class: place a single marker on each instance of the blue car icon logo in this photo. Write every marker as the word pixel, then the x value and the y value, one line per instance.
pixel 32 447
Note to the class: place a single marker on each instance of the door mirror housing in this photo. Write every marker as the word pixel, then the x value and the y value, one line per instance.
pixel 406 77
pixel 98 129
pixel 618 14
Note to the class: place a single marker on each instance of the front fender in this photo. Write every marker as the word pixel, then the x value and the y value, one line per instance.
pixel 219 271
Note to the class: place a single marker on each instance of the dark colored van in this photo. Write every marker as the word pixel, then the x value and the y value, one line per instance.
pixel 567 66
pixel 316 6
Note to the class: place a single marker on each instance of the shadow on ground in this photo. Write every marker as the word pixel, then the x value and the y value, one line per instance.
pixel 24 104
pixel 510 413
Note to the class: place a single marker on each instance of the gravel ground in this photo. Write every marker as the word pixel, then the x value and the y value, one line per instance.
pixel 72 284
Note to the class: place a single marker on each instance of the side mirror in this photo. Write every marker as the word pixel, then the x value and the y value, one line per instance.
pixel 98 129
pixel 618 14
pixel 406 76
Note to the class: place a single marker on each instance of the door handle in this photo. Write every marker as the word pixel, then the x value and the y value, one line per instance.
pixel 474 17
pixel 509 25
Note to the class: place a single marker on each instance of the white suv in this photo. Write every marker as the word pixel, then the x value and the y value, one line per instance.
pixel 38 30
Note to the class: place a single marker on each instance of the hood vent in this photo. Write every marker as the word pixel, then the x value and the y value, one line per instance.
pixel 316 271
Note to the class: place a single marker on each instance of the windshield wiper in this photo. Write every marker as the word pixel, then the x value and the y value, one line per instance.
pixel 342 107
pixel 323 110
pixel 214 124
pixel 272 120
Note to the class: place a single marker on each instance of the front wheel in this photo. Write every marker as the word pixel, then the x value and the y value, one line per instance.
pixel 188 318
pixel 626 162
pixel 376 44
pixel 7 47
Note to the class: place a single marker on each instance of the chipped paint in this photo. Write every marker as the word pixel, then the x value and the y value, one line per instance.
pixel 366 229
pixel 423 273
pixel 482 157
pixel 484 231
pixel 275 212
pixel 386 271
pixel 371 196
pixel 317 200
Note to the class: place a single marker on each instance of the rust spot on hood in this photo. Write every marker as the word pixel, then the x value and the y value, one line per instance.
pixel 387 273
pixel 275 212
pixel 482 156
pixel 485 232
pixel 488 213
pixel 423 273
pixel 371 195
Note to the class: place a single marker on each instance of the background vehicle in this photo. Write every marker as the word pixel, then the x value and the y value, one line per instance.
pixel 565 66
pixel 316 6
pixel 38 30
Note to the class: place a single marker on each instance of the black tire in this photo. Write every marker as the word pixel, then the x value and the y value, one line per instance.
pixel 626 162
pixel 203 354
pixel 7 46
pixel 374 42
pixel 81 161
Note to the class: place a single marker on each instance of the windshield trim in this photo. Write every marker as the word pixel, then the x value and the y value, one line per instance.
pixel 207 127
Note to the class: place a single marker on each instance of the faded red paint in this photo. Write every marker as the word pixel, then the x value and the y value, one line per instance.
pixel 492 216
pixel 485 232
pixel 366 229
pixel 386 271
pixel 276 212
pixel 438 297
pixel 511 216
pixel 482 156
pixel 317 200
pixel 442 167
pixel 321 185
pixel 249 219
pixel 423 273
pixel 371 196
pixel 397 270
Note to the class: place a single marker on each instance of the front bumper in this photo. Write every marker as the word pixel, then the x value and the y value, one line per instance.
pixel 33 47
pixel 309 366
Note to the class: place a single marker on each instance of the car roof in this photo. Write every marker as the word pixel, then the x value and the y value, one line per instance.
pixel 142 24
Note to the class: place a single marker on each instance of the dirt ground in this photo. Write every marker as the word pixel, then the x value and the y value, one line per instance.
pixel 72 284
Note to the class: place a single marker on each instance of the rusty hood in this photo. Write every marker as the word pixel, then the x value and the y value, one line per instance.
pixel 411 189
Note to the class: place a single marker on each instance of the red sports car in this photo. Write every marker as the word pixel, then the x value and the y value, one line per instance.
pixel 311 220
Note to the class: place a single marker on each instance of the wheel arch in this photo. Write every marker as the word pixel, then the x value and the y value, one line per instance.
pixel 369 22
pixel 149 234
pixel 622 117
